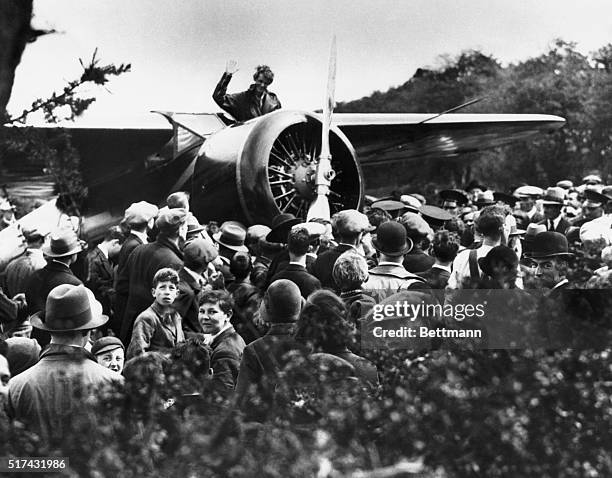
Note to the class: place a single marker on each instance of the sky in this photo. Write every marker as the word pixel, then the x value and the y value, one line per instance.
pixel 178 49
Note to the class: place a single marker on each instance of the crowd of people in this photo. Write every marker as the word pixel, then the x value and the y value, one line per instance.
pixel 248 310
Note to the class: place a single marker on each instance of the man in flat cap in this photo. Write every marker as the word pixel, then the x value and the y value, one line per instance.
pixel 528 212
pixel 146 260
pixel 592 208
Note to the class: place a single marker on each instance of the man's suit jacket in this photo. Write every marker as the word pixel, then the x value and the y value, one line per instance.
pixel 561 227
pixel 298 274
pixel 44 280
pixel 324 265
pixel 436 277
pixel 227 350
pixel 100 277
pixel 122 287
pixel 39 285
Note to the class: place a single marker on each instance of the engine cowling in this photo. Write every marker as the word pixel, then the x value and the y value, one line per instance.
pixel 256 170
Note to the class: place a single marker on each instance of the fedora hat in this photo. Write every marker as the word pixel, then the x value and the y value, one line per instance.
pixel 62 243
pixel 391 239
pixel 549 244
pixel 232 236
pixel 554 195
pixel 193 226
pixel 281 225
pixel 69 308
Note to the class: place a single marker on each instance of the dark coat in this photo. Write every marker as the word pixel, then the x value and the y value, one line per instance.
pixel 187 302
pixel 227 350
pixel 437 278
pixel 19 270
pixel 298 274
pixel 324 265
pixel 261 364
pixel 100 278
pixel 44 280
pixel 122 285
pixel 417 262
pixel 141 266
pixel 561 227
pixel 244 105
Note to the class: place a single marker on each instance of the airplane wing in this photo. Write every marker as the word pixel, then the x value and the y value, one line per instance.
pixel 389 137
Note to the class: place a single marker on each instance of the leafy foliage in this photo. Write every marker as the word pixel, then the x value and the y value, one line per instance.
pixel 561 81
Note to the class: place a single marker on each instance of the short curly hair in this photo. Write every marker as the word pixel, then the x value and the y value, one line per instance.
pixel 266 72
pixel 445 245
pixel 166 275
pixel 350 271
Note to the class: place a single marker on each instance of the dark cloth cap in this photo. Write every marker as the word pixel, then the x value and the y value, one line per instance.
pixel 23 352
pixel 199 250
pixel 106 344
pixel 389 205
pixel 170 220
pixel 391 239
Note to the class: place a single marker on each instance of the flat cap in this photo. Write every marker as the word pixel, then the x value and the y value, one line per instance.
pixel 140 212
pixel 528 192
pixel 106 344
pixel 416 226
pixel 171 220
pixel 351 221
pixel 565 184
pixel 389 205
pixel 199 250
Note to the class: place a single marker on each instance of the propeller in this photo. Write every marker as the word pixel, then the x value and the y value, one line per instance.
pixel 319 208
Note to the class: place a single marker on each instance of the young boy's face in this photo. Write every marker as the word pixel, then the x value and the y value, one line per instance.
pixel 165 293
pixel 212 319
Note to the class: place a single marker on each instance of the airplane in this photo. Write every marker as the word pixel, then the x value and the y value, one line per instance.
pixel 254 170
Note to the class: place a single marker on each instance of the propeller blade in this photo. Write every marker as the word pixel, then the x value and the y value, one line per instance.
pixel 319 208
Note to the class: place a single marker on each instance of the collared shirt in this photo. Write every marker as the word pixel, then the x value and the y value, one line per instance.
pixel 210 338
pixel 560 284
pixel 197 277
pixel 555 222
pixel 103 250
pixel 140 235
pixel 444 268
pixel 461 266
